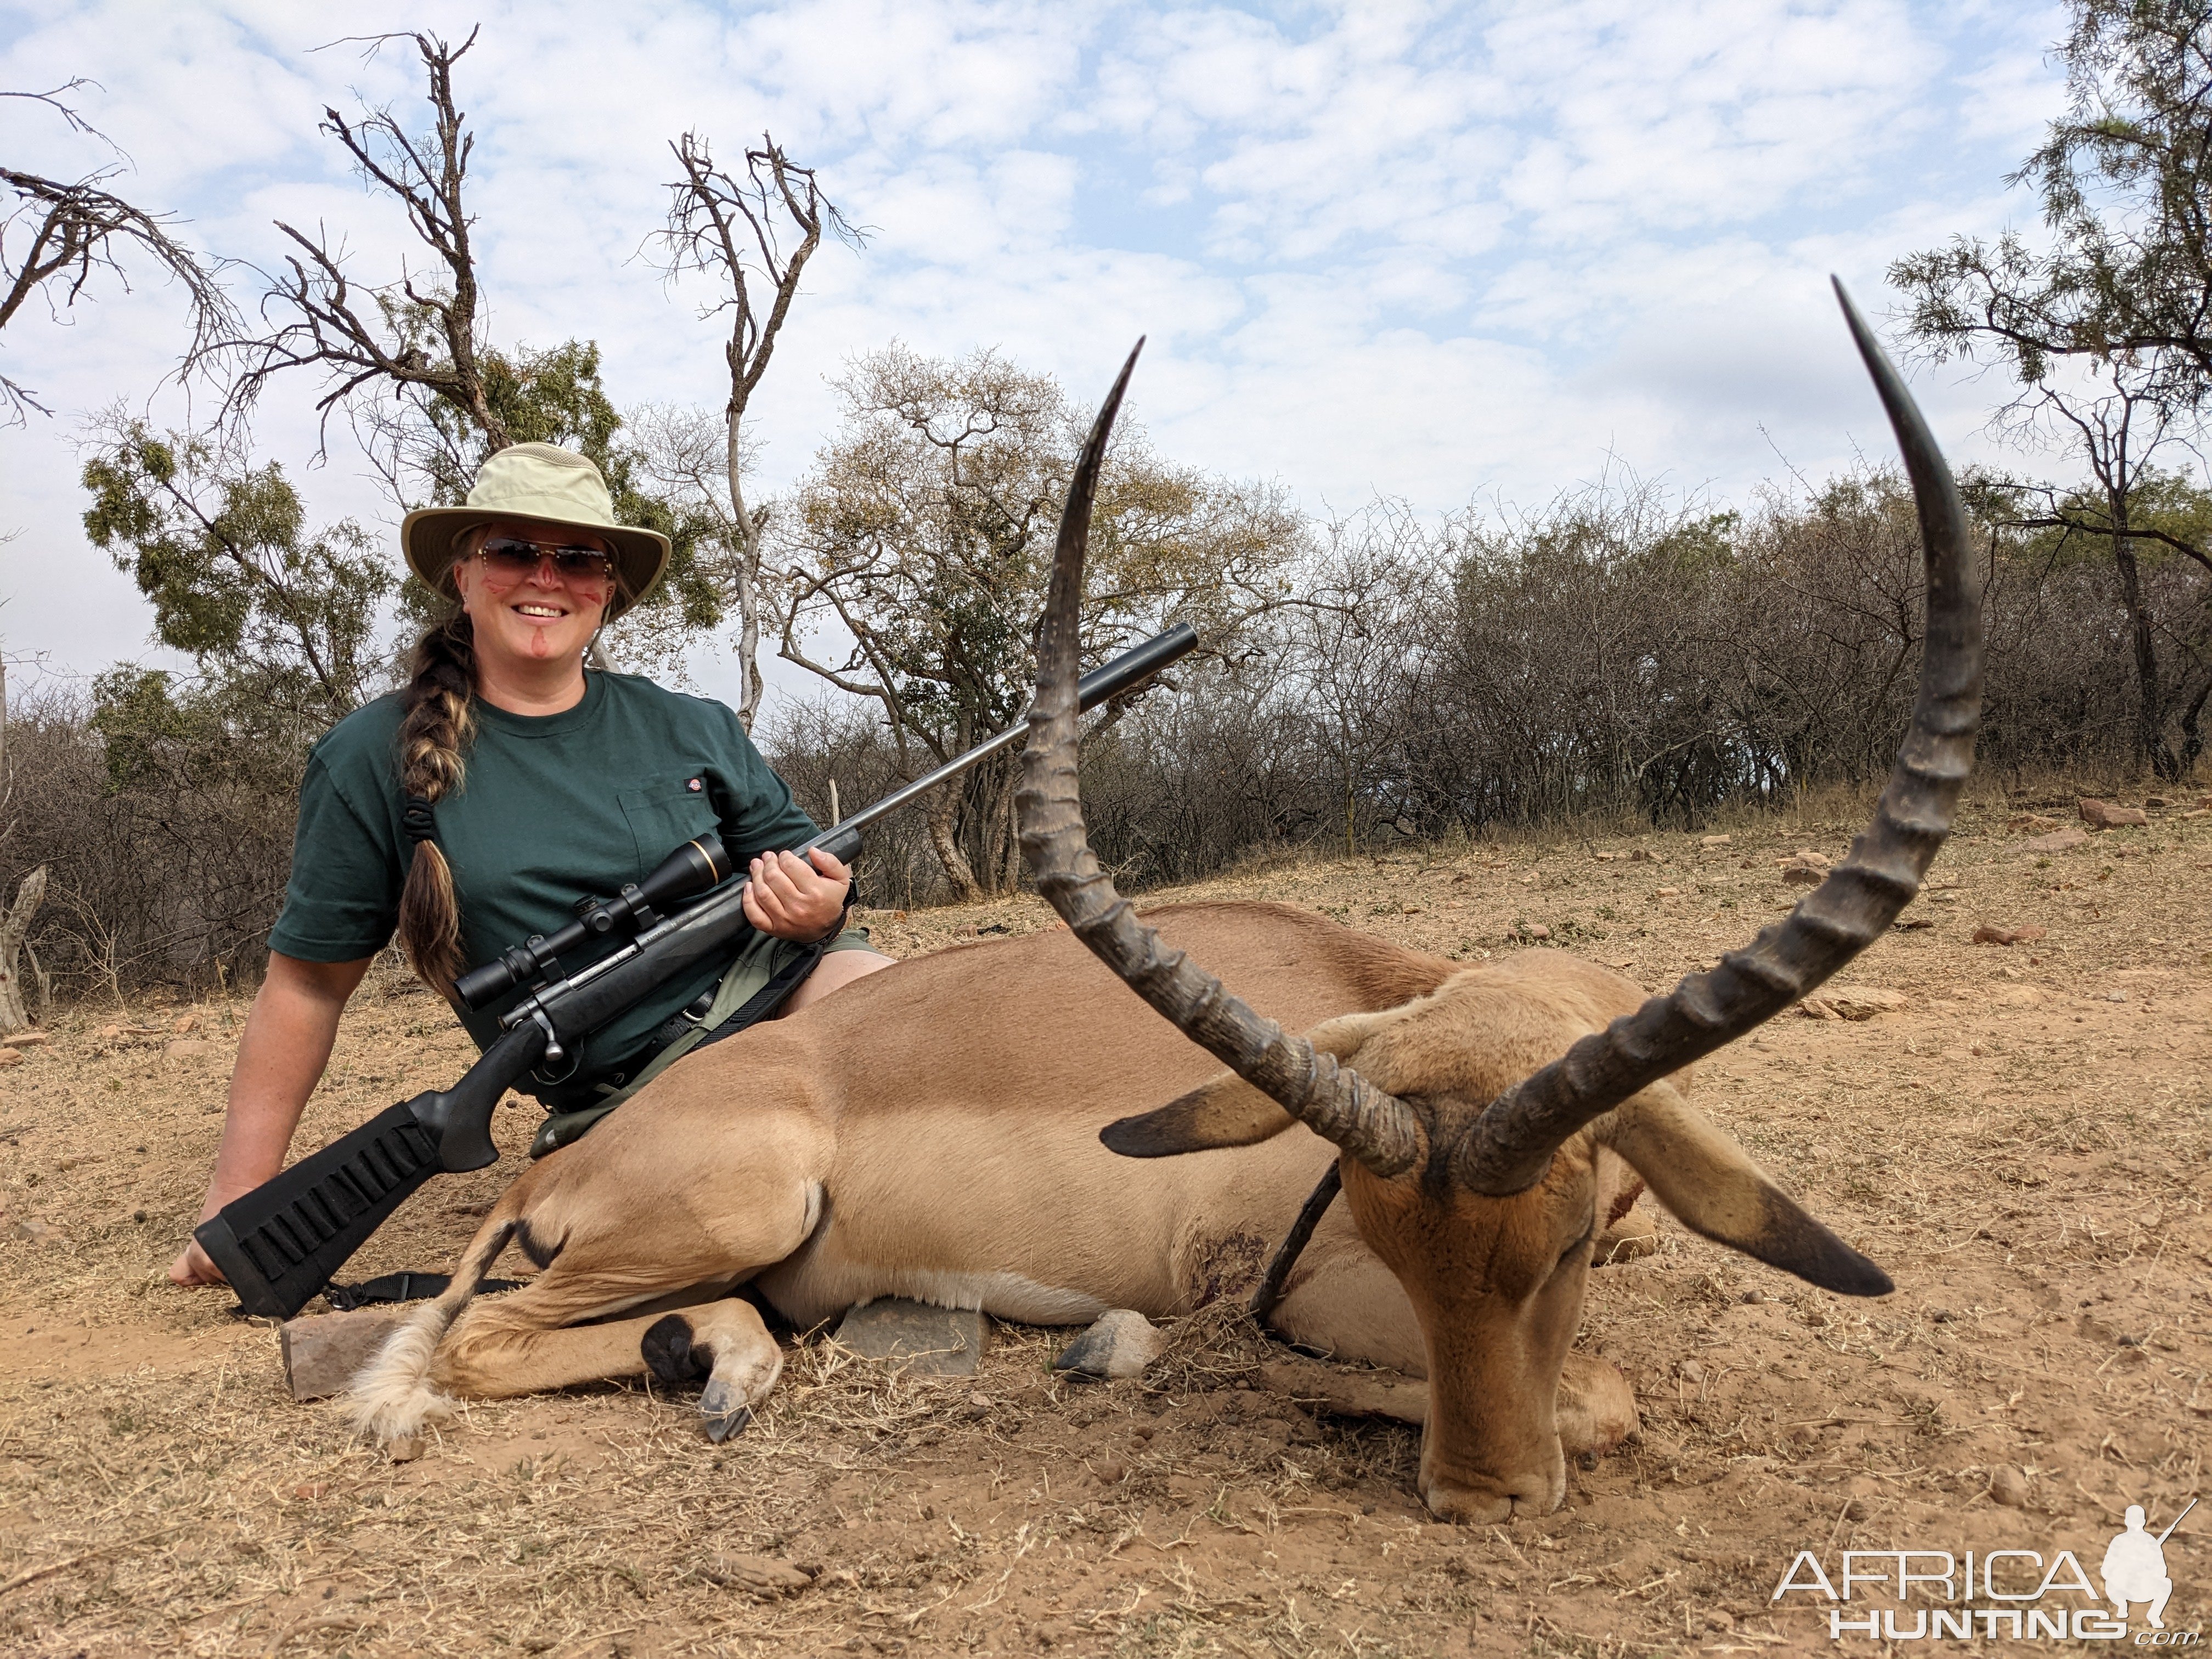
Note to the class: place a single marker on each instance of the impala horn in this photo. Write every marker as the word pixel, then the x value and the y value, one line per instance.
pixel 1510 1147
pixel 1334 1101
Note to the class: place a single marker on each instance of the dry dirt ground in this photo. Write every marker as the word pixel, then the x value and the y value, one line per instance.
pixel 2024 1144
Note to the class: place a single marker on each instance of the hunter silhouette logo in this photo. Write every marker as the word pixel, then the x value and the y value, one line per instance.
pixel 2001 1595
pixel 2135 1566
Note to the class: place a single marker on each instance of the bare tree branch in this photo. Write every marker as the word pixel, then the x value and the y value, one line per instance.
pixel 761 229
pixel 419 338
pixel 65 233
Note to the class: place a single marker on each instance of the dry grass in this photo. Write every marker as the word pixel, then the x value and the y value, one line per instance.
pixel 2030 1159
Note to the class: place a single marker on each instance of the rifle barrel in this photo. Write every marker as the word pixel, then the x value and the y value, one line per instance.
pixel 2177 1521
pixel 1100 684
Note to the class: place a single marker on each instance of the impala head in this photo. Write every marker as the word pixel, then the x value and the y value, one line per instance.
pixel 1474 1122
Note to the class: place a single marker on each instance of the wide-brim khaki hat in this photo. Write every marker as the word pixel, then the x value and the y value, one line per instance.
pixel 545 486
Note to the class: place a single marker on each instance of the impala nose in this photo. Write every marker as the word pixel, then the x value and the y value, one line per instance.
pixel 1480 1499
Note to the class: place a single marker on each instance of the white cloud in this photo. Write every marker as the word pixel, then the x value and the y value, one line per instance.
pixel 1426 250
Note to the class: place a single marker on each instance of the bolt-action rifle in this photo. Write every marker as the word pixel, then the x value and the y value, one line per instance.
pixel 279 1243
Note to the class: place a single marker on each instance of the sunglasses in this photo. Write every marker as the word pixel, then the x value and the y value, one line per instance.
pixel 506 556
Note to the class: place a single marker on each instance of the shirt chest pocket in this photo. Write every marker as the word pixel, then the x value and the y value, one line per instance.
pixel 664 816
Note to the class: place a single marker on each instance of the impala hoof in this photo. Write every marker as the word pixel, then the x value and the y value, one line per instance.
pixel 727 1424
pixel 725 1410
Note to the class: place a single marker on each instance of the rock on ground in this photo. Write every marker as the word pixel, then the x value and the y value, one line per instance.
pixel 1859 1002
pixel 322 1352
pixel 920 1339
pixel 1119 1344
pixel 2104 815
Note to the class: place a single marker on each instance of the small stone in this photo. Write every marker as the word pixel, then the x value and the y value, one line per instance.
pixel 2104 815
pixel 1856 1510
pixel 1667 892
pixel 27 1039
pixel 1713 840
pixel 1691 1371
pixel 321 1352
pixel 1640 855
pixel 33 1231
pixel 1753 1297
pixel 187 1047
pixel 2009 1486
pixel 1111 1471
pixel 1864 1002
pixel 2116 996
pixel 2158 801
pixel 11 1056
pixel 2058 840
pixel 110 1032
pixel 403 1450
pixel 1119 1344
pixel 1409 910
pixel 1941 1316
pixel 920 1339
pixel 762 1576
pixel 1537 930
pixel 1818 1008
pixel 309 1491
pixel 185 1023
pixel 1802 875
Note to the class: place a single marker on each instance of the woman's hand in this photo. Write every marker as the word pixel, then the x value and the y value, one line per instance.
pixel 281 1057
pixel 792 899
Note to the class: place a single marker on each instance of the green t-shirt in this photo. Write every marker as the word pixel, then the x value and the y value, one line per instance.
pixel 554 807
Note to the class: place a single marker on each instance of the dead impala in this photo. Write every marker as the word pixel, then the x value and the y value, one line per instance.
pixel 933 1131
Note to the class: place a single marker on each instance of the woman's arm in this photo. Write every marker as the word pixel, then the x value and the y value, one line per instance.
pixel 280 1060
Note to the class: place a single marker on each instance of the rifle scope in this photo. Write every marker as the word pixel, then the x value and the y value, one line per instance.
pixel 693 868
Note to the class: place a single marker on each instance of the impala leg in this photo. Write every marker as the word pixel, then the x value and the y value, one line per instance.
pixel 529 1341
pixel 1596 1409
pixel 726 1343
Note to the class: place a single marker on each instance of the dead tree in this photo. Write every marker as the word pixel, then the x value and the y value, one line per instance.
pixel 15 923
pixel 422 337
pixel 760 229
pixel 61 235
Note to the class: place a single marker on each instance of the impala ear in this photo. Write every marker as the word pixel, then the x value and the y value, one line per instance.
pixel 1711 1187
pixel 1227 1111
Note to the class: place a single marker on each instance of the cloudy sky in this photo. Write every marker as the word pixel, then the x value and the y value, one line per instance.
pixel 1443 252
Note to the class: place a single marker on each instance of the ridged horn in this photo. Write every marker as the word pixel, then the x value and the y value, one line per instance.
pixel 1509 1147
pixel 1376 1127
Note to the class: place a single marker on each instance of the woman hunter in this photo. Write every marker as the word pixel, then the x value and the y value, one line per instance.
pixel 470 809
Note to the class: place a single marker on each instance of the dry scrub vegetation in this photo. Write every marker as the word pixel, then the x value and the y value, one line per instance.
pixel 2024 1144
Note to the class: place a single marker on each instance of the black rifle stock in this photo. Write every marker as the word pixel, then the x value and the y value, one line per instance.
pixel 279 1243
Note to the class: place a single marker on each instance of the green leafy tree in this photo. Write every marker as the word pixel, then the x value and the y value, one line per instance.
pixel 918 547
pixel 285 616
pixel 2105 322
